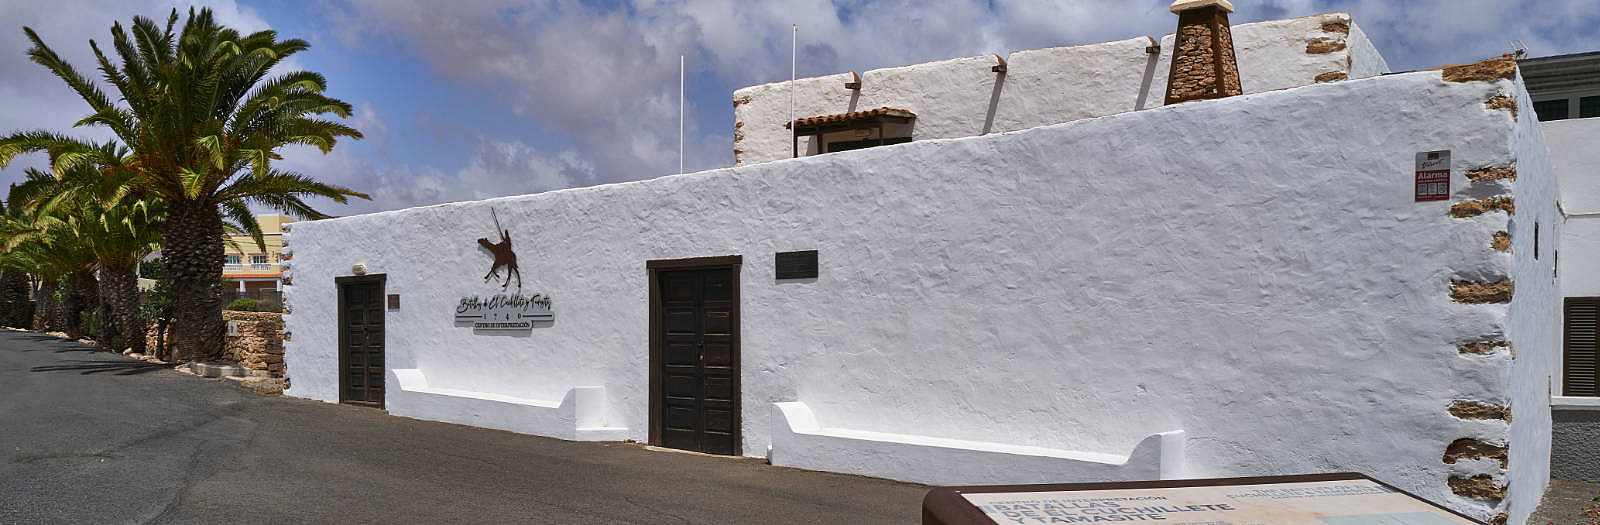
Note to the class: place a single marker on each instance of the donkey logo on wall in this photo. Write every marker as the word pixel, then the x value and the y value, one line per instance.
pixel 503 256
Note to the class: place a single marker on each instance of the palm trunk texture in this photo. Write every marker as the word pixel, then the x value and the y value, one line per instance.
pixel 83 298
pixel 192 253
pixel 120 326
pixel 163 349
pixel 15 310
pixel 50 310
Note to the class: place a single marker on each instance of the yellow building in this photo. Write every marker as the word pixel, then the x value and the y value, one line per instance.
pixel 253 268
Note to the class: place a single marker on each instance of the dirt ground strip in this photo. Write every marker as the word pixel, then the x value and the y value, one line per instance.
pixel 1568 503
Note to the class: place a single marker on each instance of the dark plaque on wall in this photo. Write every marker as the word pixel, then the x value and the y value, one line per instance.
pixel 797 265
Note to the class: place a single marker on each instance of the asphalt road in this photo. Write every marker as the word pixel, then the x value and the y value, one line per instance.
pixel 88 436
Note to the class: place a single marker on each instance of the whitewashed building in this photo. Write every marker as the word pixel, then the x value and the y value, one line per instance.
pixel 1566 97
pixel 1250 285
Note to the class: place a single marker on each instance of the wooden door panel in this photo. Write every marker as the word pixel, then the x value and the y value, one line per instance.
pixel 681 354
pixel 361 348
pixel 718 387
pixel 719 420
pixel 698 360
pixel 717 354
pixel 718 284
pixel 680 286
pixel 681 386
pixel 718 321
pixel 680 321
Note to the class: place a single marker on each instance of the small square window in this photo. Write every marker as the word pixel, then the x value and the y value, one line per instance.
pixel 230 259
pixel 1551 109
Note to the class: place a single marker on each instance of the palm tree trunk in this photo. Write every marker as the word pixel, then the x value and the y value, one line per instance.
pixel 119 309
pixel 14 299
pixel 72 308
pixel 163 350
pixel 192 253
pixel 50 310
pixel 83 299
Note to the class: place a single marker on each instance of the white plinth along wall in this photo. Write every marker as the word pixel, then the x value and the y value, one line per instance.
pixel 1242 286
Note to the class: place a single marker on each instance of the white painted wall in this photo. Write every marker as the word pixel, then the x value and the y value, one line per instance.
pixel 961 97
pixel 1365 61
pixel 1271 290
pixel 1577 164
pixel 1534 324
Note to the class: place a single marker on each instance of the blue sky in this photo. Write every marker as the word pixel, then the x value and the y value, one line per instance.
pixel 479 98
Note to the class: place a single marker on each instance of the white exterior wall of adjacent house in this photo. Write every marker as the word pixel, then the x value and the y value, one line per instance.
pixel 1577 165
pixel 1533 324
pixel 1242 286
pixel 962 97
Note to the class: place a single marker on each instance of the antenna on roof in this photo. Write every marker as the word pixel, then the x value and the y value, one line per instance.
pixel 1518 48
pixel 680 114
pixel 794 46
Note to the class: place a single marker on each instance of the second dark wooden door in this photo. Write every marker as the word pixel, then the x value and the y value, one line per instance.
pixel 361 342
pixel 699 361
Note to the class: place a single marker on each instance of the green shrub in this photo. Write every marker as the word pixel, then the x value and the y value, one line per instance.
pixel 269 306
pixel 243 304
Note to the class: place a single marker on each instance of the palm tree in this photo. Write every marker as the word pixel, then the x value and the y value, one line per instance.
pixel 15 283
pixel 204 122
pixel 115 222
pixel 34 242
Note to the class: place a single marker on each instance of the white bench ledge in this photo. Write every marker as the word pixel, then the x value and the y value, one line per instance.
pixel 580 415
pixel 487 396
pixel 980 446
pixel 800 441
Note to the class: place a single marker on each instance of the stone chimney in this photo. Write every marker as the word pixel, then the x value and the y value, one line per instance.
pixel 1202 56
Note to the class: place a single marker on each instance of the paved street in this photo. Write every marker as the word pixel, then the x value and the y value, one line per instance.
pixel 91 437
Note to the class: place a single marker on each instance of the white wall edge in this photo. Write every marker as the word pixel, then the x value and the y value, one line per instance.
pixel 1574 403
pixel 1173 459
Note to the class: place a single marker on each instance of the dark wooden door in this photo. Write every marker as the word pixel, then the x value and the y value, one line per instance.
pixel 361 342
pixel 699 361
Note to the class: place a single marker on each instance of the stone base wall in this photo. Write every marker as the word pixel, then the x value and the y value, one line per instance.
pixel 259 345
pixel 1575 445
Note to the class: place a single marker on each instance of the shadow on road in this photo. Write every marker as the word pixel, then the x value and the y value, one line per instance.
pixel 66 345
pixel 122 368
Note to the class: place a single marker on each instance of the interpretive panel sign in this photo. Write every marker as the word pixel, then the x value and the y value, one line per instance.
pixel 1433 176
pixel 1288 500
pixel 504 311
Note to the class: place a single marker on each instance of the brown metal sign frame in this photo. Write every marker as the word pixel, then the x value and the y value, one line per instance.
pixel 946 506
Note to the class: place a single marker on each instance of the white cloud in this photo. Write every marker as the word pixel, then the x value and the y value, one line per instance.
pixel 494 168
pixel 602 81
pixel 1417 35
pixel 374 131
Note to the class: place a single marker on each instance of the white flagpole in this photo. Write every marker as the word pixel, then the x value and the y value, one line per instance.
pixel 794 45
pixel 680 114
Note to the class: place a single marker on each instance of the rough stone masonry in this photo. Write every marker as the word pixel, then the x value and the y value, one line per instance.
pixel 1203 64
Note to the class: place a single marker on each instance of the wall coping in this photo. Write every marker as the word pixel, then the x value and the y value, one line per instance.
pixel 1574 403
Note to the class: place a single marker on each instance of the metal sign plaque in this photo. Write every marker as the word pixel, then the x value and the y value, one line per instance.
pixel 504 311
pixel 1433 176
pixel 1316 499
